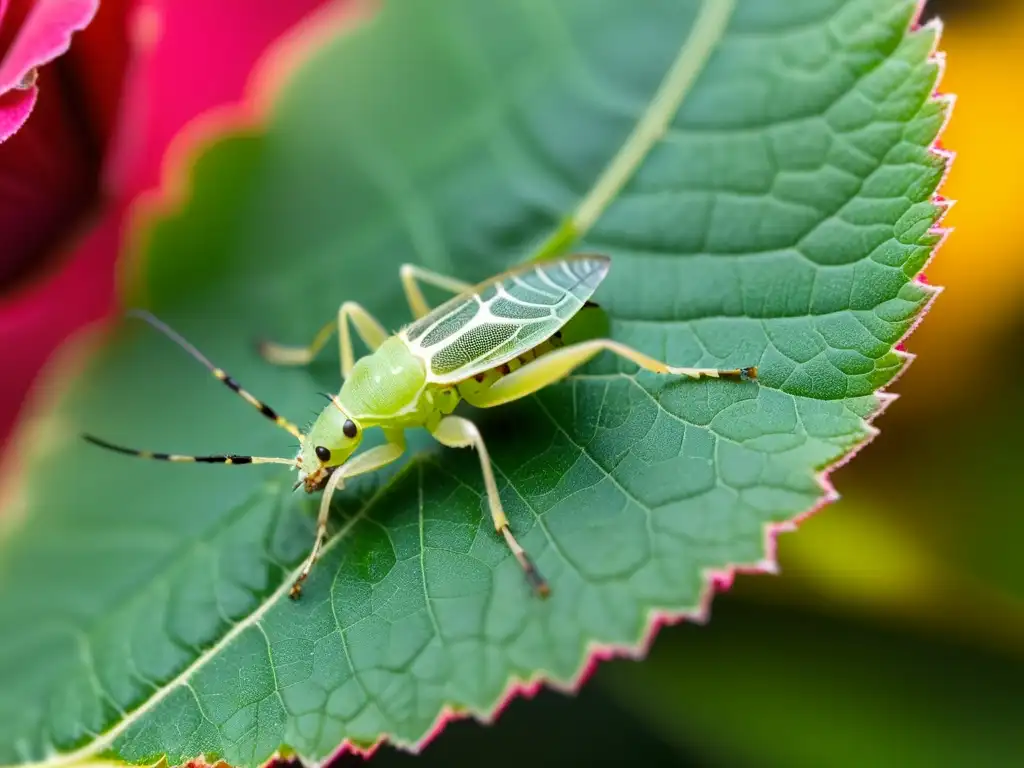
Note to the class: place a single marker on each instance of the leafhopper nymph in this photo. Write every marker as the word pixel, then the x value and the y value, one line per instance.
pixel 495 342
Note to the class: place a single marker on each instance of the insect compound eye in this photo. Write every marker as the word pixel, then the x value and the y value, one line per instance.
pixel 349 428
pixel 322 453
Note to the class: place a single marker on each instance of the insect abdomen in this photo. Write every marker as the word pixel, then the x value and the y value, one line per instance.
pixel 471 386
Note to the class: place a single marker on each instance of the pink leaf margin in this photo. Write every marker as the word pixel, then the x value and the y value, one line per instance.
pixel 251 112
pixel 45 35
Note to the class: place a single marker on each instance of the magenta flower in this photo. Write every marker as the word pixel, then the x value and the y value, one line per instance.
pixel 95 142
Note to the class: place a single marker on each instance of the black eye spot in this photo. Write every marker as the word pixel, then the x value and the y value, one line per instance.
pixel 322 453
pixel 349 428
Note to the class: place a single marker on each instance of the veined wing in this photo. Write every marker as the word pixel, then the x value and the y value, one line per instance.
pixel 503 317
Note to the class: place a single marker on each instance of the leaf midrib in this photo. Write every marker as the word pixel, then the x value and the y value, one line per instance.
pixel 707 31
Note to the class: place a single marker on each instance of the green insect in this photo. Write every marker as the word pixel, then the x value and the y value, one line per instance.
pixel 493 343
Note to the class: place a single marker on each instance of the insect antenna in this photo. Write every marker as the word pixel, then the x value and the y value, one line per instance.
pixel 218 373
pixel 220 459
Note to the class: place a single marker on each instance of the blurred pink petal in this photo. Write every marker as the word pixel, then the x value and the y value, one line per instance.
pixel 30 36
pixel 48 184
pixel 184 57
pixel 15 106
pixel 204 54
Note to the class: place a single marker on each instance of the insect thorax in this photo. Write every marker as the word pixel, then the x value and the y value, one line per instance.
pixel 385 384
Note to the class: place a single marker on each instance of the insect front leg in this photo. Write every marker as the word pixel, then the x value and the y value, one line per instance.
pixel 556 365
pixel 457 432
pixel 369 461
pixel 412 275
pixel 351 314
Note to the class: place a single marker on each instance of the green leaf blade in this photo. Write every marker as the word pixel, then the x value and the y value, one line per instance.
pixel 779 221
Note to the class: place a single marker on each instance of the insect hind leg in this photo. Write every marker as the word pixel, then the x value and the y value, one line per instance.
pixel 556 365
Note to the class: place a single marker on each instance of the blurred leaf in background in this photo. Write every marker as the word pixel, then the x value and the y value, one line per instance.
pixel 770 688
pixel 72 178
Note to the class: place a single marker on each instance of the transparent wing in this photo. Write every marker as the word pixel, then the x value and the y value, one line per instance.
pixel 504 316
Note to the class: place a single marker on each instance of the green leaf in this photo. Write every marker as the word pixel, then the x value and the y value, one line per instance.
pixel 779 220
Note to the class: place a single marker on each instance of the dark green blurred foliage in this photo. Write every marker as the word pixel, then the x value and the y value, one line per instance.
pixel 769 687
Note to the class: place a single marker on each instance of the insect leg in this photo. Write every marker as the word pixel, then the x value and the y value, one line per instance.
pixel 411 277
pixel 367 327
pixel 457 432
pixel 370 460
pixel 556 365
